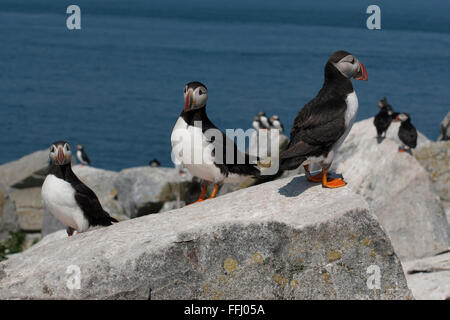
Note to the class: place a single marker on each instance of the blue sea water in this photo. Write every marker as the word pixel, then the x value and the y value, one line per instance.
pixel 116 85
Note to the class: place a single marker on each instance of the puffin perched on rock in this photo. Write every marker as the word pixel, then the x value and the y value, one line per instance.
pixel 82 156
pixel 407 132
pixel 256 123
pixel 323 123
pixel 69 199
pixel 275 123
pixel 383 119
pixel 202 148
pixel 263 120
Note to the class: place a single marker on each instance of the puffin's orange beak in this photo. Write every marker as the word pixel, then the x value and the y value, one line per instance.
pixel 362 74
pixel 187 103
pixel 60 155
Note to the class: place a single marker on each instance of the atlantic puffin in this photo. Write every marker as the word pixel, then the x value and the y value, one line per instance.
pixel 263 120
pixel 82 156
pixel 323 123
pixel 383 119
pixel 407 132
pixel 275 123
pixel 69 199
pixel 256 123
pixel 194 142
pixel 154 163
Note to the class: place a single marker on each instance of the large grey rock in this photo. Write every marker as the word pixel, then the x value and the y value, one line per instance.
pixel 28 171
pixel 102 183
pixel 429 278
pixel 445 128
pixel 8 217
pixel 286 239
pixel 435 158
pixel 398 190
pixel 143 190
pixel 29 208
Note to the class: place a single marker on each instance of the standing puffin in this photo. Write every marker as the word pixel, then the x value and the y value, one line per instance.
pixel 383 119
pixel 67 198
pixel 82 156
pixel 275 123
pixel 193 142
pixel 256 123
pixel 154 163
pixel 263 120
pixel 407 132
pixel 323 123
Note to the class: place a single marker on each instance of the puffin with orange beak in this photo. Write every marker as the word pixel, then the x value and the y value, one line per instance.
pixel 207 153
pixel 322 124
pixel 69 199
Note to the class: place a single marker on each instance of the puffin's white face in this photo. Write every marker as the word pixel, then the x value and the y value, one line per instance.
pixel 60 153
pixel 347 66
pixel 195 97
pixel 402 117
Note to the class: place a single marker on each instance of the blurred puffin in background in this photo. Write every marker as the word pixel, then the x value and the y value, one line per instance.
pixel 407 133
pixel 383 119
pixel 82 156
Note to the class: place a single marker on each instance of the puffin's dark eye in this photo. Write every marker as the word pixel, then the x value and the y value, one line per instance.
pixel 353 60
pixel 52 149
pixel 200 92
pixel 184 89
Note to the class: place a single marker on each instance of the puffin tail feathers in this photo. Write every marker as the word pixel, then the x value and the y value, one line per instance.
pixel 291 163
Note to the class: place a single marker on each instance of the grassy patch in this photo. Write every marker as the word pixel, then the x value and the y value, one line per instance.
pixel 13 244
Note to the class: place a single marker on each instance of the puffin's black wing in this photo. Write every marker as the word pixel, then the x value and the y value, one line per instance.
pixel 408 135
pixel 237 167
pixel 318 125
pixel 88 201
pixel 85 157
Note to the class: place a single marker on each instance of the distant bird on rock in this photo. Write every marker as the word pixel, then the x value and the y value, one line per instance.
pixel 154 163
pixel 383 119
pixel 322 124
pixel 82 156
pixel 194 145
pixel 275 123
pixel 263 120
pixel 69 199
pixel 256 124
pixel 407 133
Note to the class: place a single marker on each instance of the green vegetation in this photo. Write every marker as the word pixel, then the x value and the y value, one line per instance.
pixel 13 244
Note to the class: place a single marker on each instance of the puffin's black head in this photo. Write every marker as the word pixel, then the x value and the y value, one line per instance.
pixel 195 96
pixel 383 102
pixel 60 153
pixel 348 65
pixel 80 147
pixel 261 114
pixel 402 117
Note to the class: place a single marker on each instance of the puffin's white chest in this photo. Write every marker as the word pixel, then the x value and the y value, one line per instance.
pixel 80 157
pixel 59 199
pixel 192 149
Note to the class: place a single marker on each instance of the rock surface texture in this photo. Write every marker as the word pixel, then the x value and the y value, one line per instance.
pixel 144 190
pixel 397 188
pixel 429 278
pixel 286 239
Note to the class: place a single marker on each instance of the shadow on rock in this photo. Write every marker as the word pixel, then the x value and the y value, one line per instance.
pixel 295 187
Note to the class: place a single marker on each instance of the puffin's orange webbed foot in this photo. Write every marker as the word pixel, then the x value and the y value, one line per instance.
pixel 316 178
pixel 334 183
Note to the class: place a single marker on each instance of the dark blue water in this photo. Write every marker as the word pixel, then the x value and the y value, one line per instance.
pixel 116 85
